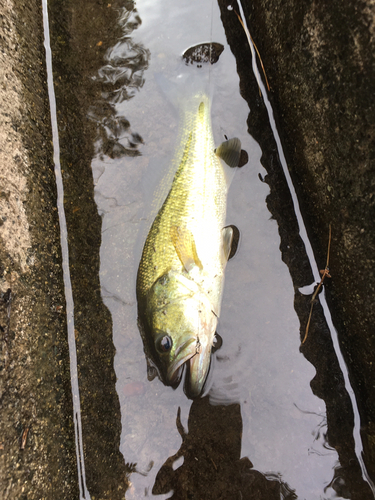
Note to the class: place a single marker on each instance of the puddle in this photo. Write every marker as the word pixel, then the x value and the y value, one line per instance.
pixel 261 431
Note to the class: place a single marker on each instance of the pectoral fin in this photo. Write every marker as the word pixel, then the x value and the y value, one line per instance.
pixel 184 243
pixel 227 242
pixel 231 236
pixel 230 152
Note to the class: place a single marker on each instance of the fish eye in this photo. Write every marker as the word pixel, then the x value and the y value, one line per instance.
pixel 164 344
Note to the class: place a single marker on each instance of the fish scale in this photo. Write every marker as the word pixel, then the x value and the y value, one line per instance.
pixel 197 200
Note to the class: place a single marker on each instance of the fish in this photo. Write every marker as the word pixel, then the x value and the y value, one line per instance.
pixel 180 277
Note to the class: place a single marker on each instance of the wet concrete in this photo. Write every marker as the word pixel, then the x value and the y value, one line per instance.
pixel 37 450
pixel 77 48
pixel 319 62
pixel 37 442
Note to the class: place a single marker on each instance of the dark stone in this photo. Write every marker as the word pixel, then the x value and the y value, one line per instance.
pixel 203 53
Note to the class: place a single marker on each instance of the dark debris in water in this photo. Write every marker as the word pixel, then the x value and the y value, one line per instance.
pixel 203 53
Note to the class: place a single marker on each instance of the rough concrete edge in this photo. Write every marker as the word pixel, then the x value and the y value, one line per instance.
pixel 34 385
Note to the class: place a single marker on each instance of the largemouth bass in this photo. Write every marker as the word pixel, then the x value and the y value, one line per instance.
pixel 181 273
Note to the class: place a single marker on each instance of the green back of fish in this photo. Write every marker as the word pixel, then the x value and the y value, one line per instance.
pixel 195 205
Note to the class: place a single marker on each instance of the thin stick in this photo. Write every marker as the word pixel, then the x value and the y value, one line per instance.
pixel 325 273
pixel 24 437
pixel 249 37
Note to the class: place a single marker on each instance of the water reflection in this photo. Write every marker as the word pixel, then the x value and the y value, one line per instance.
pixel 119 78
pixel 209 464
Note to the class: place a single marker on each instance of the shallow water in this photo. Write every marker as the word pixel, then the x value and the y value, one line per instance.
pixel 259 365
pixel 260 432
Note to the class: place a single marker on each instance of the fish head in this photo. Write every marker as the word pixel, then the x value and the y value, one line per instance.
pixel 182 324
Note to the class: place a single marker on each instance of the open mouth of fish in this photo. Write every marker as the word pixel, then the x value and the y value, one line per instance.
pixel 196 355
pixel 185 352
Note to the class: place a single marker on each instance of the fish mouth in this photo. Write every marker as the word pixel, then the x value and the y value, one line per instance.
pixel 184 352
pixel 198 368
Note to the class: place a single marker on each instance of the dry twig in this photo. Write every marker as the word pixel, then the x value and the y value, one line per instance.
pixel 24 437
pixel 325 274
pixel 250 40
